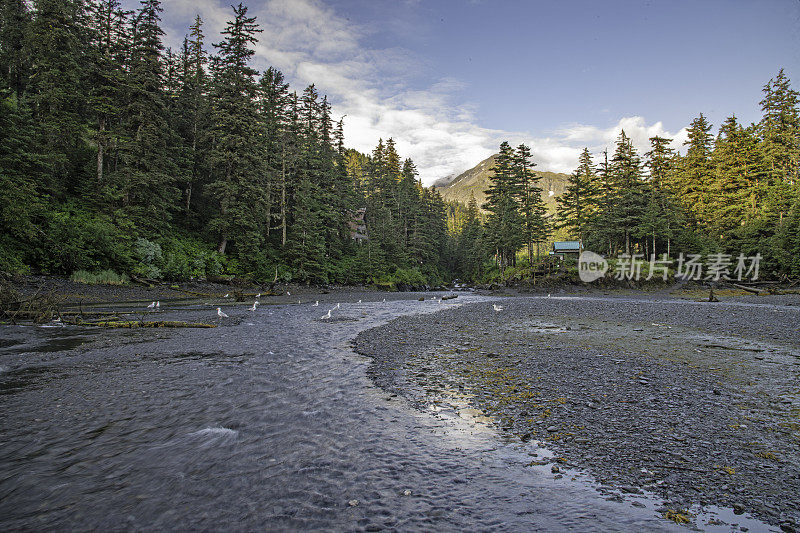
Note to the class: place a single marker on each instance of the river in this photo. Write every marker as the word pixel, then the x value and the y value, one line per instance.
pixel 268 422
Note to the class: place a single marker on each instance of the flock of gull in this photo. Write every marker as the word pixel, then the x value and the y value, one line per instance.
pixel 155 306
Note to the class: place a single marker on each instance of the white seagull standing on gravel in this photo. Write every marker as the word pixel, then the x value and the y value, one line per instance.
pixel 151 306
pixel 326 317
pixel 158 304
pixel 497 308
pixel 254 305
pixel 315 304
pixel 220 313
pixel 359 301
pixel 226 295
pixel 338 306
pixel 258 295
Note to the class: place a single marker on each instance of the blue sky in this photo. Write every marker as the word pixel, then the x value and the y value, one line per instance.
pixel 449 80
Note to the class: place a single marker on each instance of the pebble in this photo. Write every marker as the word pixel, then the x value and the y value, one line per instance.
pixel 675 418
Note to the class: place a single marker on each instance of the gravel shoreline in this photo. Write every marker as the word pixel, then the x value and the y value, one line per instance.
pixel 697 403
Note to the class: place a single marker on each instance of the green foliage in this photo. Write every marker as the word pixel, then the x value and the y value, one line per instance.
pixel 404 278
pixel 149 259
pixel 119 155
pixel 104 277
pixel 188 258
pixel 78 239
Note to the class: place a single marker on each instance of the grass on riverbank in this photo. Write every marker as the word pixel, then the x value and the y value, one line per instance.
pixel 104 277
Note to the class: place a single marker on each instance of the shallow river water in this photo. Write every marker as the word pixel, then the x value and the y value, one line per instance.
pixel 268 422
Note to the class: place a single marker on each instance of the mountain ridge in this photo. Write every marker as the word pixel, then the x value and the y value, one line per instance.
pixel 476 181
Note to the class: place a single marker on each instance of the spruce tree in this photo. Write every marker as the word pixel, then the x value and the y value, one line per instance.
pixel 109 33
pixel 661 214
pixel 55 87
pixel 192 112
pixel 504 224
pixel 531 206
pixel 696 170
pixel 236 155
pixel 780 147
pixel 628 192
pixel 579 201
pixel 15 21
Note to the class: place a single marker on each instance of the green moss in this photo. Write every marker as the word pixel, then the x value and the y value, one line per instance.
pixel 153 324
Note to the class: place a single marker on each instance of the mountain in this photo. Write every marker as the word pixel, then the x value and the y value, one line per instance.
pixel 476 180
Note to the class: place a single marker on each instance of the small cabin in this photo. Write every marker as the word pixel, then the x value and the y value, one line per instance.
pixel 563 249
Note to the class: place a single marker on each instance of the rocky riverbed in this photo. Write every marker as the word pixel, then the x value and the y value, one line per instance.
pixel 696 403
pixel 267 421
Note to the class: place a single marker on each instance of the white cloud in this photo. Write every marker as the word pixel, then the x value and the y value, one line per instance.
pixel 310 43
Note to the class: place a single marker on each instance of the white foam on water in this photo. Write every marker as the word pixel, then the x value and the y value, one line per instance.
pixel 214 435
pixel 215 431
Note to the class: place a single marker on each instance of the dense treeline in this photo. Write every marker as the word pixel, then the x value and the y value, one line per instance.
pixel 118 153
pixel 736 193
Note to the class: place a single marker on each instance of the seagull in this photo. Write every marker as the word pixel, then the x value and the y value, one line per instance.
pixel 548 295
pixel 298 302
pixel 359 301
pixel 158 304
pixel 288 293
pixel 338 306
pixel 384 300
pixel 326 317
pixel 497 308
pixel 258 295
pixel 254 305
pixel 315 304
pixel 226 295
pixel 151 306
pixel 221 314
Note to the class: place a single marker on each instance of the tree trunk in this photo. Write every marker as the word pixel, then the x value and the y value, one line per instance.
pixel 188 196
pixel 101 151
pixel 283 198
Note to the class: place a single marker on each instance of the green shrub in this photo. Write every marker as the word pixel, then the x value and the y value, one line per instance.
pixel 80 240
pixel 150 258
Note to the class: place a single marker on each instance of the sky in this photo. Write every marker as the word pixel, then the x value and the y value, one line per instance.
pixel 449 80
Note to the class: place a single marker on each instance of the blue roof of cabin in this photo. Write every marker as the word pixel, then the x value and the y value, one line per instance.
pixel 567 245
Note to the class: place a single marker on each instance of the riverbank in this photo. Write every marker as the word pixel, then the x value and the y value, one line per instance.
pixel 697 403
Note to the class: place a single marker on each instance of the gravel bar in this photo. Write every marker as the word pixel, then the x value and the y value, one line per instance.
pixel 697 403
